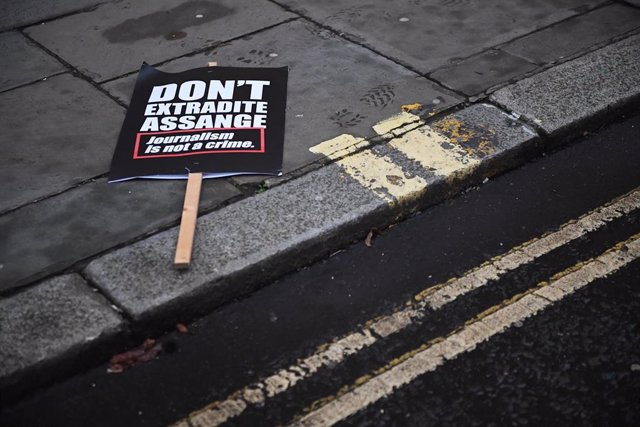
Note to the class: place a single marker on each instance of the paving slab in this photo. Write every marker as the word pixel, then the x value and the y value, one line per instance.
pixel 24 62
pixel 427 35
pixel 61 131
pixel 577 92
pixel 248 242
pixel 18 13
pixel 118 37
pixel 50 236
pixel 576 34
pixel 478 73
pixel 52 321
pixel 334 86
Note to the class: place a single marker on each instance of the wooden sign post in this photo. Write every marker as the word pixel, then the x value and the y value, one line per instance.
pixel 188 222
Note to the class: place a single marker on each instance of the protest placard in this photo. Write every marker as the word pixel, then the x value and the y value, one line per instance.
pixel 202 123
pixel 220 121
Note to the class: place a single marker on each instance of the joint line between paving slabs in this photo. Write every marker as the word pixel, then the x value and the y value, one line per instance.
pixel 20 86
pixel 485 95
pixel 537 30
pixel 346 36
pixel 202 50
pixel 74 71
pixel 542 134
pixel 57 17
pixel 57 193
pixel 112 301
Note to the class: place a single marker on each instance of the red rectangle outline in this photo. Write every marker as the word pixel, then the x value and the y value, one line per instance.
pixel 137 157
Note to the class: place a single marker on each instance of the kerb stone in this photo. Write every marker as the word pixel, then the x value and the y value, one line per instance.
pixel 255 238
pixel 578 92
pixel 52 321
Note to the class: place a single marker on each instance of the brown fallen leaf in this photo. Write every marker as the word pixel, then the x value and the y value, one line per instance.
pixel 182 328
pixel 144 353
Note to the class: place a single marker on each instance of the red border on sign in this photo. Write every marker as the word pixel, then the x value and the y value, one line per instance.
pixel 136 156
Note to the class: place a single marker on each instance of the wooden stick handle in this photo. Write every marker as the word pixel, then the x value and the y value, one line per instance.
pixel 188 222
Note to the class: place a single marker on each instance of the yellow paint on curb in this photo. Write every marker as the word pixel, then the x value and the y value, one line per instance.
pixel 339 146
pixel 397 121
pixel 427 146
pixel 435 152
pixel 382 176
pixel 475 143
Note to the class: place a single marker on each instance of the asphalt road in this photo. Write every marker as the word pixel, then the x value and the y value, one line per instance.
pixel 571 361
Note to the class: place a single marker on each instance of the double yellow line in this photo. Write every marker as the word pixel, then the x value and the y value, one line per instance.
pixel 436 297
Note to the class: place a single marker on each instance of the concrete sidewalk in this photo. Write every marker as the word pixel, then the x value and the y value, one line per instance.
pixel 84 264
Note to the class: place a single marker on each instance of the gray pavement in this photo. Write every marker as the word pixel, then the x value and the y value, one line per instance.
pixel 17 13
pixel 352 66
pixel 130 32
pixel 372 90
pixel 30 62
pixel 429 35
pixel 59 133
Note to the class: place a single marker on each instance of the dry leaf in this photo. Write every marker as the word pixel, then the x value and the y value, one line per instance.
pixel 144 353
pixel 182 328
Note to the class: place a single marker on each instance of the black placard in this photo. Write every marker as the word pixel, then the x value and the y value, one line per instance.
pixel 217 120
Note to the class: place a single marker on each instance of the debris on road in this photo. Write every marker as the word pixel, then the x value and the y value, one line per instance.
pixel 411 107
pixel 144 353
pixel 369 239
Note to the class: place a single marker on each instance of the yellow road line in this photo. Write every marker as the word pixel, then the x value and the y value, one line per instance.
pixel 434 297
pixel 492 322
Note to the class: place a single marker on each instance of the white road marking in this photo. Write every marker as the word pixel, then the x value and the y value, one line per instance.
pixel 432 298
pixel 484 327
